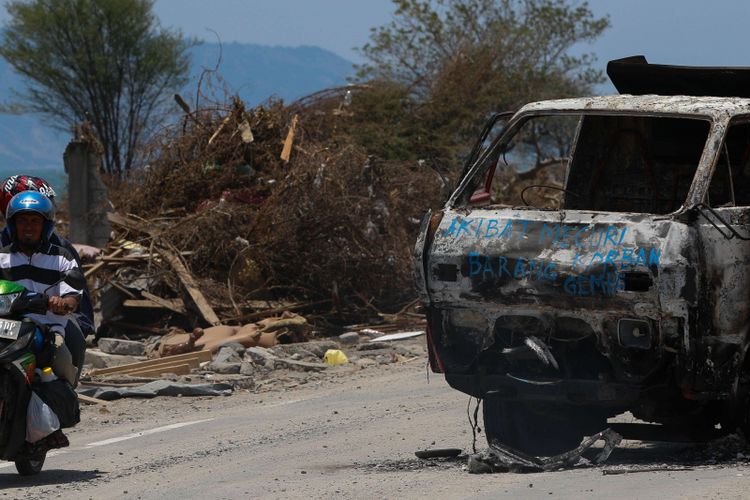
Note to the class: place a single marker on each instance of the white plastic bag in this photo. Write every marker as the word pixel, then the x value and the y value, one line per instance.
pixel 41 421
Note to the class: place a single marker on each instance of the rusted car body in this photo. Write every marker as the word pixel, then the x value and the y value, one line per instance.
pixel 614 277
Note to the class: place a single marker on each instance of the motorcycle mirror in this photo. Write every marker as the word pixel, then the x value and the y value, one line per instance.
pixel 75 278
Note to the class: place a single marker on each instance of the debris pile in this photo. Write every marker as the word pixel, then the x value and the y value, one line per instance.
pixel 501 458
pixel 261 203
pixel 256 228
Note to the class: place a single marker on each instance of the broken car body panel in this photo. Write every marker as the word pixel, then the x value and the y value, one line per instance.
pixel 625 286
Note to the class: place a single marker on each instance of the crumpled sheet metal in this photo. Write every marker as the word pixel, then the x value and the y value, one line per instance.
pixel 502 458
pixel 157 388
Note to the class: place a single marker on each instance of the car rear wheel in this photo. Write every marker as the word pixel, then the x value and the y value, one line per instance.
pixel 538 429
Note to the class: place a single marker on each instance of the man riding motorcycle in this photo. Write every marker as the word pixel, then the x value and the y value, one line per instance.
pixel 15 184
pixel 32 261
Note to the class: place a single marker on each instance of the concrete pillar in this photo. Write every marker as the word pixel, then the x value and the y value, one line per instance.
pixel 87 196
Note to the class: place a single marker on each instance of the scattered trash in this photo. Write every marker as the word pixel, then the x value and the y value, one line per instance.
pixel 335 357
pixel 438 453
pixel 287 328
pixel 397 336
pixel 501 458
pixel 157 388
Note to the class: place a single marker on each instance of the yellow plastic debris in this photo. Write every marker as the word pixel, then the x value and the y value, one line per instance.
pixel 335 357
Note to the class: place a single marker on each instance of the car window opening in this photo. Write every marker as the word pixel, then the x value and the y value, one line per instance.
pixel 603 163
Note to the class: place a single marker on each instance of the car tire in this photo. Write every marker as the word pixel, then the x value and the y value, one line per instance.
pixel 537 429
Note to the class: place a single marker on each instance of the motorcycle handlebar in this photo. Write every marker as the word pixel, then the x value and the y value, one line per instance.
pixel 66 306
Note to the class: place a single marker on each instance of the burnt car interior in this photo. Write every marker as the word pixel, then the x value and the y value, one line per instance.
pixel 612 163
pixel 730 183
pixel 634 163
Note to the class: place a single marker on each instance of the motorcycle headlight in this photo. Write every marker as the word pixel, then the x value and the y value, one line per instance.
pixel 6 301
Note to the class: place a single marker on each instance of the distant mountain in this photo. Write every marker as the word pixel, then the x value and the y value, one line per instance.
pixel 257 72
pixel 254 72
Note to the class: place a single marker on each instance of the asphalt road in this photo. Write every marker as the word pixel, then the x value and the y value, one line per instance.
pixel 352 435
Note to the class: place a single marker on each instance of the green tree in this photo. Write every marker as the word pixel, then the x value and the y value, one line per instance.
pixel 460 60
pixel 108 62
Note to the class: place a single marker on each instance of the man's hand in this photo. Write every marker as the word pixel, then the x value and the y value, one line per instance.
pixel 63 305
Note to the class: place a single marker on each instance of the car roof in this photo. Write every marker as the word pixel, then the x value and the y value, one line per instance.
pixel 716 108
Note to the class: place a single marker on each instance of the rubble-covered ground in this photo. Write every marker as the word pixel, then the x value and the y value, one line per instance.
pixel 257 369
pixel 252 371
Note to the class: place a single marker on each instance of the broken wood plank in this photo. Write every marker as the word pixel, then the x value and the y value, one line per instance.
pixel 122 288
pixel 286 152
pixel 101 263
pixel 200 356
pixel 152 304
pixel 124 260
pixel 221 127
pixel 139 226
pixel 192 362
pixel 89 400
pixel 191 286
pixel 142 304
pixel 163 368
pixel 278 310
pixel 175 305
pixel 189 358
pixel 183 369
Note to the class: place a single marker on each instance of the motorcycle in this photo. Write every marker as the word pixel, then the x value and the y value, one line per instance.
pixel 24 345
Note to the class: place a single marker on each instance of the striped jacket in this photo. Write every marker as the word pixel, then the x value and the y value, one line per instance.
pixel 85 313
pixel 39 272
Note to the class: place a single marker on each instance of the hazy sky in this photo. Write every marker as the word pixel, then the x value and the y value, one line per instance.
pixel 666 31
pixel 336 25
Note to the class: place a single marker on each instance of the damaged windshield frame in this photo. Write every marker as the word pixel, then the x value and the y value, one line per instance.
pixel 696 191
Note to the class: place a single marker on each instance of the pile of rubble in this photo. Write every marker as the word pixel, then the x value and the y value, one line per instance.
pixel 252 237
pixel 148 344
pixel 121 368
pixel 283 202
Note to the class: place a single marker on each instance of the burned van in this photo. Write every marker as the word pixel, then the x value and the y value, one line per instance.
pixel 594 259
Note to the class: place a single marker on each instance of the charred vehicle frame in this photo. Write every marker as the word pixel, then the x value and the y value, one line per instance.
pixel 615 274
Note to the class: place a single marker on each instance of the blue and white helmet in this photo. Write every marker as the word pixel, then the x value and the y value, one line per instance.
pixel 31 201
